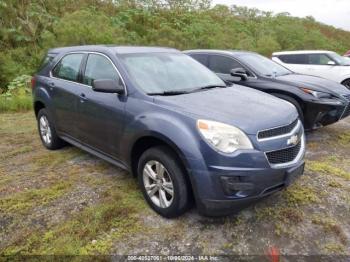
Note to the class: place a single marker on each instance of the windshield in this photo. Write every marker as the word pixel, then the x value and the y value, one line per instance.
pixel 340 59
pixel 264 66
pixel 168 72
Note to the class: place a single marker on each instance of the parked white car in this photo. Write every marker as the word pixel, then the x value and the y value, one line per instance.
pixel 326 64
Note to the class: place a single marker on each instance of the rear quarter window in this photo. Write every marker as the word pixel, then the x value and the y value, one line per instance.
pixel 46 61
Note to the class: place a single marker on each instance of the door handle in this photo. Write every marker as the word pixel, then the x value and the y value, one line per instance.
pixel 83 98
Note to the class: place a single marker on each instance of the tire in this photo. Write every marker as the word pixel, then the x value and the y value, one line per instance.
pixel 346 83
pixel 47 131
pixel 294 103
pixel 157 197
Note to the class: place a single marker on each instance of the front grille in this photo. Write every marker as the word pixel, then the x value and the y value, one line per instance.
pixel 277 131
pixel 284 155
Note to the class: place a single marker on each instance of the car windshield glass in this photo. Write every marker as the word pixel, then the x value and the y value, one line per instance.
pixel 340 59
pixel 263 65
pixel 169 73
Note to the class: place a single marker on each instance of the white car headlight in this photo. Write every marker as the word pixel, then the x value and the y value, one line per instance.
pixel 224 138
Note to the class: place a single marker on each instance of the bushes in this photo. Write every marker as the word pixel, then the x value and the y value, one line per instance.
pixel 29 28
pixel 18 95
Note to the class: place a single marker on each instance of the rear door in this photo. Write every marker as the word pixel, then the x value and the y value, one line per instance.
pixel 101 115
pixel 64 89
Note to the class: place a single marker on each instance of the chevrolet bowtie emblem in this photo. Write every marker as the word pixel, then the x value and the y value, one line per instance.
pixel 294 140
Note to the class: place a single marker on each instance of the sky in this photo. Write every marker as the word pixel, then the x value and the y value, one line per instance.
pixel 331 12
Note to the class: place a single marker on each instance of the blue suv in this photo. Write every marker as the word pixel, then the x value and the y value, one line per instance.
pixel 172 123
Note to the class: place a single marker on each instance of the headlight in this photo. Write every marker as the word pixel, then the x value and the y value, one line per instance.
pixel 224 138
pixel 317 94
pixel 325 98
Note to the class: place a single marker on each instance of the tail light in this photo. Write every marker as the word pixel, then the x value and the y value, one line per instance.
pixel 32 82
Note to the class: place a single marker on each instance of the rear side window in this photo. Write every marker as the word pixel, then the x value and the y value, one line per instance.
pixel 99 67
pixel 222 64
pixel 201 58
pixel 68 68
pixel 301 59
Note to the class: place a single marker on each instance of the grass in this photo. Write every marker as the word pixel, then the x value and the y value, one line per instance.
pixel 330 225
pixel 15 104
pixel 301 195
pixel 22 201
pixel 89 232
pixel 326 168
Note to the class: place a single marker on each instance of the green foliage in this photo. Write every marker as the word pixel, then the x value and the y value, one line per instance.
pixel 15 104
pixel 19 86
pixel 29 28
pixel 17 96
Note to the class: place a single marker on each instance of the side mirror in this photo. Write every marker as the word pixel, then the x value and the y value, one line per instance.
pixel 108 86
pixel 330 63
pixel 239 72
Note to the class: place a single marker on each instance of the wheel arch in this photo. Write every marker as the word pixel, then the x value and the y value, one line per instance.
pixel 346 80
pixel 275 92
pixel 147 141
pixel 38 105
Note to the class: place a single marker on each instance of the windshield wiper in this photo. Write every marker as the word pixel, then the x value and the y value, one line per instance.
pixel 207 87
pixel 168 93
pixel 181 92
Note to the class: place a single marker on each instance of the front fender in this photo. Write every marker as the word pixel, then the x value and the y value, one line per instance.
pixel 176 130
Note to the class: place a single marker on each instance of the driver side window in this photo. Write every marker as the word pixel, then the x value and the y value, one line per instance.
pixel 222 64
pixel 99 67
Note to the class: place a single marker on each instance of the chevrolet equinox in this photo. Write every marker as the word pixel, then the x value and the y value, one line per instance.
pixel 172 123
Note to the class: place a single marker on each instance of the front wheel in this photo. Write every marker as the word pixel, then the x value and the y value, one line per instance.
pixel 162 180
pixel 346 83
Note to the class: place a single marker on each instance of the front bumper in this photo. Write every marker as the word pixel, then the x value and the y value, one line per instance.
pixel 247 187
pixel 317 114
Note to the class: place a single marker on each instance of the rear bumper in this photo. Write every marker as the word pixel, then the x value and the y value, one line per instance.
pixel 232 191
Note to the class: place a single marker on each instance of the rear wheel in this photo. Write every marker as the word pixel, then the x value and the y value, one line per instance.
pixel 47 131
pixel 294 103
pixel 346 83
pixel 162 180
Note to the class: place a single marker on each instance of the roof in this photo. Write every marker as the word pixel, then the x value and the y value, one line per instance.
pixel 217 51
pixel 113 48
pixel 302 52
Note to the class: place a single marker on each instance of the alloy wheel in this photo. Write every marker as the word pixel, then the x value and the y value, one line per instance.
pixel 158 184
pixel 45 130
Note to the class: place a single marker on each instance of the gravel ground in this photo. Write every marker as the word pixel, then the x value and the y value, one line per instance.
pixel 69 202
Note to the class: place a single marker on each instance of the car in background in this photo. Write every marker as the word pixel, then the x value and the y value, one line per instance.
pixel 319 101
pixel 172 123
pixel 326 64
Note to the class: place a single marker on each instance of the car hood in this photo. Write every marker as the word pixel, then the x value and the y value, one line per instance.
pixel 313 82
pixel 243 107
